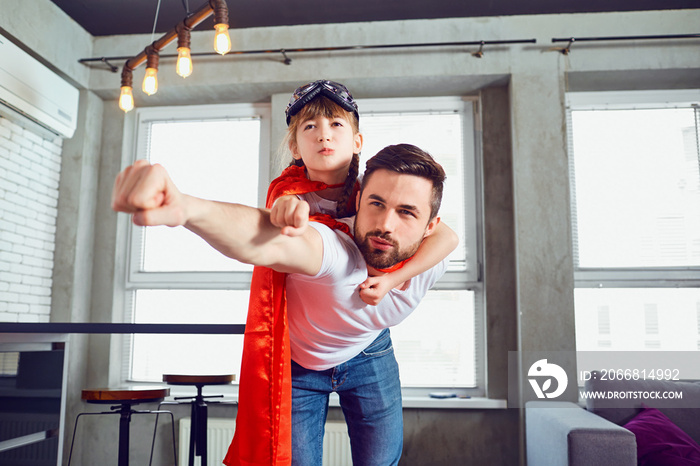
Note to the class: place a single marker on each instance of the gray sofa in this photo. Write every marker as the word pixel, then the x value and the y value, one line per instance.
pixel 564 433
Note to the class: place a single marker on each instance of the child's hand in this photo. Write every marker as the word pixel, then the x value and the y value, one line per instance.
pixel 291 214
pixel 373 289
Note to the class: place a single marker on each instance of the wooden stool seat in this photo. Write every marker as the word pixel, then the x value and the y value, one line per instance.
pixel 128 394
pixel 122 401
pixel 180 379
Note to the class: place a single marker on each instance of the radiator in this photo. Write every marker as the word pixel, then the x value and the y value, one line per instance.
pixel 336 443
pixel 15 426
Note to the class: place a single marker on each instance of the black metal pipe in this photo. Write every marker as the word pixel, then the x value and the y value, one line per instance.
pixel 613 38
pixel 335 49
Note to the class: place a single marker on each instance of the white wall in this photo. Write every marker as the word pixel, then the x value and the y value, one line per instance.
pixel 30 166
pixel 45 31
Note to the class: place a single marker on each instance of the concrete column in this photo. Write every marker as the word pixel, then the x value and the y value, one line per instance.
pixel 75 233
pixel 279 158
pixel 544 261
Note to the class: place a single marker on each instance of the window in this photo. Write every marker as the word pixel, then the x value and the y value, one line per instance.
pixel 175 277
pixel 635 183
pixel 437 346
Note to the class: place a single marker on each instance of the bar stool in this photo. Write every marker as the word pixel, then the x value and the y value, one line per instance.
pixel 123 400
pixel 198 426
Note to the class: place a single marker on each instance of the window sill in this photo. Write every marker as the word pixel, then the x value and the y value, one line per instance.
pixel 453 403
pixel 231 395
pixel 442 403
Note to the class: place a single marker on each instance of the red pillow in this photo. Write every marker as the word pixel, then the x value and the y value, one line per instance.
pixel 660 442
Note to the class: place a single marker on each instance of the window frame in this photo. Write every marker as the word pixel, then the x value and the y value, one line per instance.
pixel 625 277
pixel 625 280
pixel 136 279
pixel 129 237
pixel 470 279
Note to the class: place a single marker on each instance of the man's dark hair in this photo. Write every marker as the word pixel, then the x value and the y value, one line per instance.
pixel 409 160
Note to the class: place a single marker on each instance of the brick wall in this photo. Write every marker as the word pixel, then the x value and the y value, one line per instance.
pixel 30 167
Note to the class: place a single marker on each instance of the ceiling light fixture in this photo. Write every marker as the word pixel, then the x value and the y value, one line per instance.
pixel 222 41
pixel 184 59
pixel 150 80
pixel 182 32
pixel 126 97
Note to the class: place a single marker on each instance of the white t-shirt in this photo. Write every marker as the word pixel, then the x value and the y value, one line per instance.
pixel 329 323
pixel 318 204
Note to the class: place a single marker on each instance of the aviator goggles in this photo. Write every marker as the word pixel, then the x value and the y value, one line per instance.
pixel 331 89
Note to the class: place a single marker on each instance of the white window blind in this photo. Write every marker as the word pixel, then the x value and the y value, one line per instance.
pixel 439 344
pixel 213 152
pixel 635 191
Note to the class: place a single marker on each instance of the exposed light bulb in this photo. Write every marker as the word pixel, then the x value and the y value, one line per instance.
pixel 126 99
pixel 184 62
pixel 222 41
pixel 150 81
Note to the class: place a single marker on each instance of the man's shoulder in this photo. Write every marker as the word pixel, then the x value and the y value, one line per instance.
pixel 342 226
pixel 428 278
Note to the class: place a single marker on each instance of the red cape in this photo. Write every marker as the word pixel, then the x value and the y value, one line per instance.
pixel 264 420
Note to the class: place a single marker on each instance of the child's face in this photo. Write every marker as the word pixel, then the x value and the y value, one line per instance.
pixel 326 145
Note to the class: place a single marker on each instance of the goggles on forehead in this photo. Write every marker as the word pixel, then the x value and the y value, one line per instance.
pixel 333 90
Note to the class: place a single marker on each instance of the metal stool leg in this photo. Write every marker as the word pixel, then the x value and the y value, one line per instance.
pixel 202 431
pixel 193 434
pixel 155 429
pixel 75 429
pixel 124 420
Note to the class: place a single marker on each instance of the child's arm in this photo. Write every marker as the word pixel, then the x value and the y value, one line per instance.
pixel 291 214
pixel 430 253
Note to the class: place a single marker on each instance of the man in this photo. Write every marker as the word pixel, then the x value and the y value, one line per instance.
pixel 338 343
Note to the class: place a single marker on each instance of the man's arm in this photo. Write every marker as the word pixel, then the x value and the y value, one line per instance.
pixel 241 232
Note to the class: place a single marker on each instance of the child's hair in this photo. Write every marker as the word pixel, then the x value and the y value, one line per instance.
pixel 322 106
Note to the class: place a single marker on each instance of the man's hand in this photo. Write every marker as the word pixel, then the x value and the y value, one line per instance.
pixel 291 214
pixel 147 192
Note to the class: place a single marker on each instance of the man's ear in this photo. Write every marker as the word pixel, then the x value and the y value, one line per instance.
pixel 432 225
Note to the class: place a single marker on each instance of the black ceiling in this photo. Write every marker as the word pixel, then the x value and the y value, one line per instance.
pixel 108 17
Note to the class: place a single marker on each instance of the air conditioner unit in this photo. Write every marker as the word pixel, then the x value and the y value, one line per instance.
pixel 30 89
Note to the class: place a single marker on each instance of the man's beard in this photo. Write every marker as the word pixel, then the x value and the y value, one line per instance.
pixel 378 258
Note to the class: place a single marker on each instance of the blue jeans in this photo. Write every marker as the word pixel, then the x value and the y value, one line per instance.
pixel 370 395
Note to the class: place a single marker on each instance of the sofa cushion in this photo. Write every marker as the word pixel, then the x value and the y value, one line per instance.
pixel 621 411
pixel 660 442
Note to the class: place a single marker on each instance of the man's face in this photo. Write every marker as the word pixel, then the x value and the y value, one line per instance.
pixel 392 217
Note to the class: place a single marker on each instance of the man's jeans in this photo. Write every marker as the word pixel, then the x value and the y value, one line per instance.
pixel 370 395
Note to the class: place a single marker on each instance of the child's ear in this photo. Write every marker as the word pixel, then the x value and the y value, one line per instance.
pixel 357 143
pixel 294 150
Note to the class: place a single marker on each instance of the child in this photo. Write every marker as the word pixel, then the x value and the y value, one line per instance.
pixel 324 137
pixel 325 143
